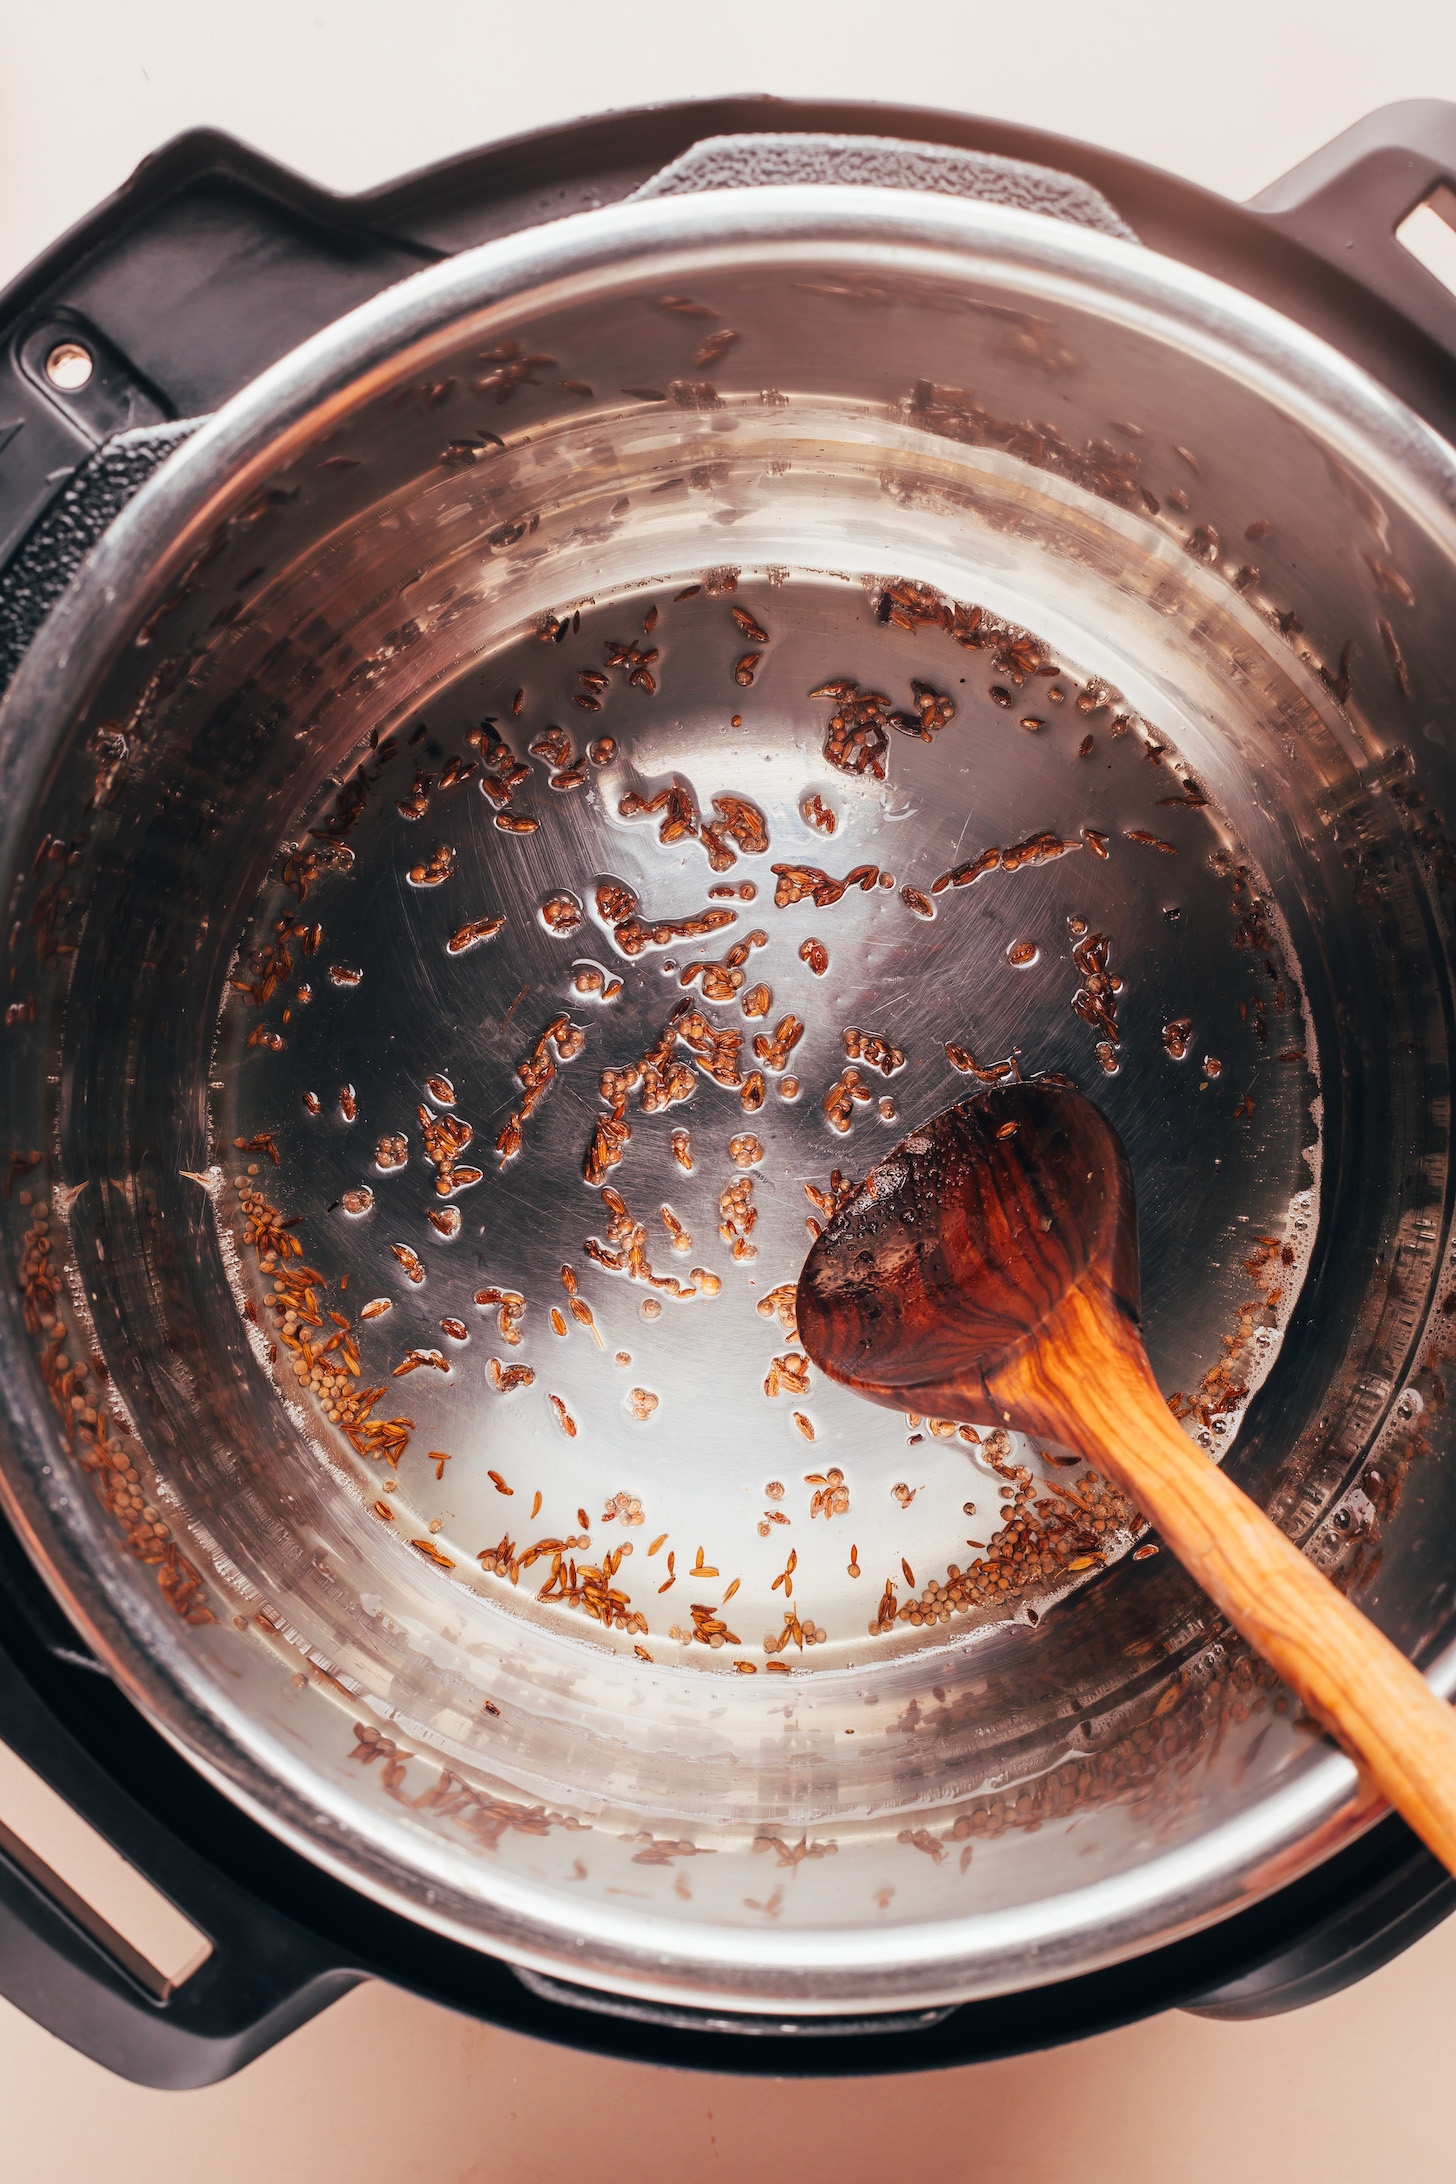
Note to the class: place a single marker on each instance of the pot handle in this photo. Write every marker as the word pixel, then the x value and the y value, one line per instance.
pixel 1396 1908
pixel 761 159
pixel 269 1972
pixel 69 1970
pixel 1345 202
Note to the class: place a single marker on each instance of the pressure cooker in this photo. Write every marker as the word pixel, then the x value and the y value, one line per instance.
pixel 555 708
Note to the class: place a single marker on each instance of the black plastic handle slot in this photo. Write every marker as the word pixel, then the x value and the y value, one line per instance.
pixel 1345 203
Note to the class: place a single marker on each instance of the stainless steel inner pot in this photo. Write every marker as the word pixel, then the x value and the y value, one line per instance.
pixel 1178 572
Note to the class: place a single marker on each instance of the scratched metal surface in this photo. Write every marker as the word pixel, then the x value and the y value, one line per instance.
pixel 1211 1178
pixel 367 544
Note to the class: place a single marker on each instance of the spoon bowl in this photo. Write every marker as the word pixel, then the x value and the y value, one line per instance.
pixel 953 1259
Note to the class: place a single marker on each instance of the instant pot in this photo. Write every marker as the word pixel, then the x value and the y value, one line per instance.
pixel 976 607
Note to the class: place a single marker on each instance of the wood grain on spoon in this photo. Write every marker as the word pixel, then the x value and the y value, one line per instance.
pixel 990 1263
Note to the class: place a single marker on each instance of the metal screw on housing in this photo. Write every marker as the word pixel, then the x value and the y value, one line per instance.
pixel 69 367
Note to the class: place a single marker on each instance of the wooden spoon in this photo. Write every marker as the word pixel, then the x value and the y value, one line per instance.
pixel 990 1262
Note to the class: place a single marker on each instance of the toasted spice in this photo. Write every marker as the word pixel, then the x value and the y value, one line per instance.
pixel 739 1218
pixel 800 883
pixel 512 1308
pixel 774 1049
pixel 787 1375
pixel 1021 856
pixel 843 1095
pixel 831 1496
pixel 470 936
pixel 1153 841
pixel 779 1304
pixel 873 1047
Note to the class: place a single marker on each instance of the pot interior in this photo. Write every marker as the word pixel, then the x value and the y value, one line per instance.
pixel 555 809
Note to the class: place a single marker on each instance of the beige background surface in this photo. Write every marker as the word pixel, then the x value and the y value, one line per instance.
pixel 352 92
pixel 386 2090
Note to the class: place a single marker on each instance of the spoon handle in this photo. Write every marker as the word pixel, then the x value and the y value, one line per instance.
pixel 1349 1675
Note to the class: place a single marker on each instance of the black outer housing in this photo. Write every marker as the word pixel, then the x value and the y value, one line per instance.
pixel 208 265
